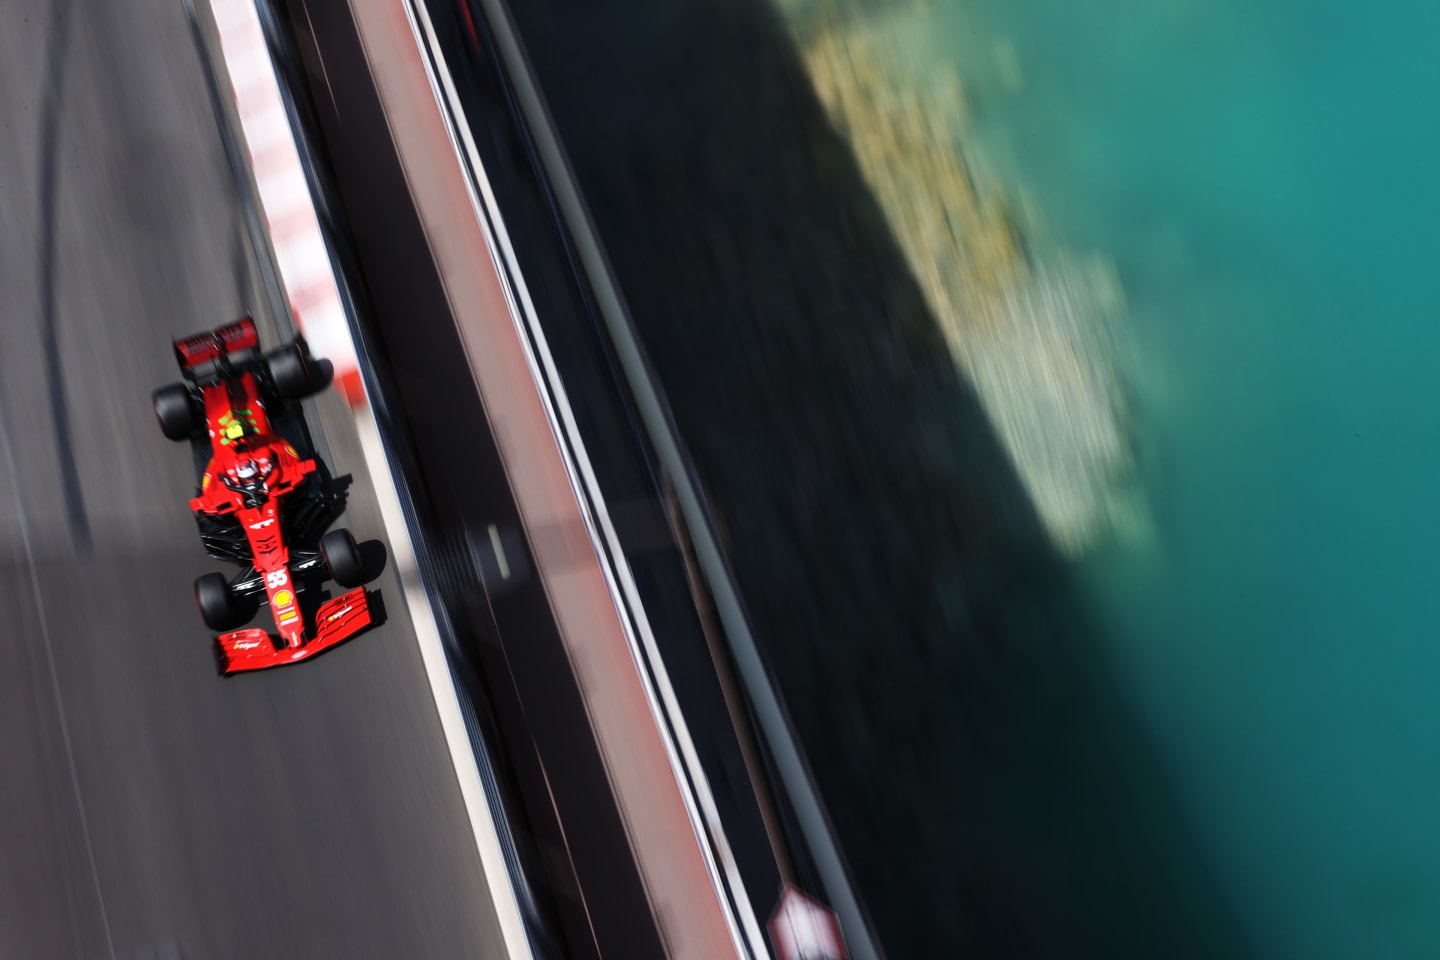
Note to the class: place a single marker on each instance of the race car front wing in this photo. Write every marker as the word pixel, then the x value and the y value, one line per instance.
pixel 336 621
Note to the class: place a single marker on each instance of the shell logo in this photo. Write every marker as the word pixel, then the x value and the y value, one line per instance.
pixel 284 598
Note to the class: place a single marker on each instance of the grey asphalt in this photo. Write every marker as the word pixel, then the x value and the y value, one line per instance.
pixel 148 808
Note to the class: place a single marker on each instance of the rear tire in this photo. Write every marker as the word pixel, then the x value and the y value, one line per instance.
pixel 217 604
pixel 322 372
pixel 291 371
pixel 342 558
pixel 175 411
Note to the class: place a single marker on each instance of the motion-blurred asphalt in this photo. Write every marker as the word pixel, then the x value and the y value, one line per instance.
pixel 146 805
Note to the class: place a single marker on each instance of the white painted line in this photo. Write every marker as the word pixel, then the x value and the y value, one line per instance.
pixel 442 684
pixel 266 136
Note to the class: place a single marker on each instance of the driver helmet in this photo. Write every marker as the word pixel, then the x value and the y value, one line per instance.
pixel 246 470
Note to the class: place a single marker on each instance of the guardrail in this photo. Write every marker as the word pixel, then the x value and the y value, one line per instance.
pixel 746 929
pixel 759 684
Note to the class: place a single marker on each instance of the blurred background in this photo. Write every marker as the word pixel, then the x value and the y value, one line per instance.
pixel 1059 378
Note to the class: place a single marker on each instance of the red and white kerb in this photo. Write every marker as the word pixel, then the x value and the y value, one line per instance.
pixel 304 262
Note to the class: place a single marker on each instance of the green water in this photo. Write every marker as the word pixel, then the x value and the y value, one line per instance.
pixel 1265 176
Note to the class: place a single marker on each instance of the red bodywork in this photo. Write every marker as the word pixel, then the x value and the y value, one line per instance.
pixel 239 431
pixel 205 347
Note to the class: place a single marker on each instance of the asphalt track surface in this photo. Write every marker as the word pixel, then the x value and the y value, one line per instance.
pixel 148 808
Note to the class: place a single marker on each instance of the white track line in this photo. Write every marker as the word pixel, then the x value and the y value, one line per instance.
pixel 442 684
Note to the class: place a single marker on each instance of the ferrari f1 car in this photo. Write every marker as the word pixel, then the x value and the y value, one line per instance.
pixel 265 501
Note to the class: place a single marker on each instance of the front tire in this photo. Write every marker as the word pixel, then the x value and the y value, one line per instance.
pixel 342 558
pixel 217 604
pixel 175 411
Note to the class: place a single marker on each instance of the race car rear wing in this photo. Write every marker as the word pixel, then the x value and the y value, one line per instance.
pixel 198 354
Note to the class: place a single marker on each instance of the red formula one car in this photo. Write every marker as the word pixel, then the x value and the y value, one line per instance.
pixel 265 501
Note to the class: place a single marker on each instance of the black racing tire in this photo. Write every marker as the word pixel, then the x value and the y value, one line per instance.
pixel 175 410
pixel 291 371
pixel 322 372
pixel 342 558
pixel 217 604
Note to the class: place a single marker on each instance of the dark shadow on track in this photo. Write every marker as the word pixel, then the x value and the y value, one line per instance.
pixel 995 793
pixel 59 33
